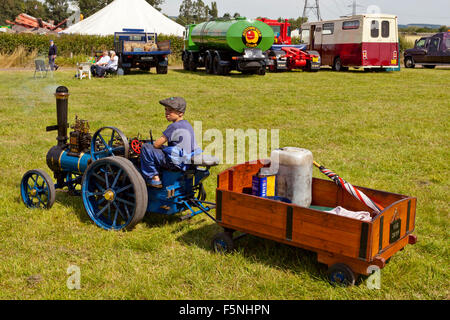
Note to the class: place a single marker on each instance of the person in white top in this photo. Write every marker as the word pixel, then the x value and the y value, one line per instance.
pixel 100 63
pixel 111 66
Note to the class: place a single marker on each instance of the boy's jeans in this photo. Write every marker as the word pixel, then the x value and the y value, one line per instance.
pixel 152 160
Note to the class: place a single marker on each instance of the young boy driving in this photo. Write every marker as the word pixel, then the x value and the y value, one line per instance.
pixel 181 144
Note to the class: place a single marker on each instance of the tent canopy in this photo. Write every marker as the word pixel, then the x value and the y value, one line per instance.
pixel 131 14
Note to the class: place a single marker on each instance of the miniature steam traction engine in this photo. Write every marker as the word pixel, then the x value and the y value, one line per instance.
pixel 105 170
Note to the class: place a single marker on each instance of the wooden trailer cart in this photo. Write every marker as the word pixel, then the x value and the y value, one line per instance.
pixel 348 246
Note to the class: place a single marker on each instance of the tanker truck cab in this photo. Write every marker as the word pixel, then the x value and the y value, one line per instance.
pixel 221 46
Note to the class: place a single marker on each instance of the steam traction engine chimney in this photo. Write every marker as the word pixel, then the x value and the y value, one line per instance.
pixel 54 154
pixel 62 101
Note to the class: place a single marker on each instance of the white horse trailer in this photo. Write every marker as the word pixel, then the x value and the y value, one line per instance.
pixel 362 41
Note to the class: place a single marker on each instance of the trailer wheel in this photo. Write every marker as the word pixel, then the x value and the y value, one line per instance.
pixel 114 194
pixel 337 65
pixel 222 243
pixel 342 275
pixel 37 189
pixel 409 62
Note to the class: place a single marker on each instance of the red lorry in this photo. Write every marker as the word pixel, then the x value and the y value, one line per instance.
pixel 284 55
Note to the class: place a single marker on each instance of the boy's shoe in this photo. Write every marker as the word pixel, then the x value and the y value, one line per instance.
pixel 56 67
pixel 155 184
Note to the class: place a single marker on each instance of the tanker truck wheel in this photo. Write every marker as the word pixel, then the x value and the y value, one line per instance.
pixel 262 71
pixel 185 61
pixel 192 62
pixel 37 190
pixel 217 68
pixel 208 63
pixel 114 194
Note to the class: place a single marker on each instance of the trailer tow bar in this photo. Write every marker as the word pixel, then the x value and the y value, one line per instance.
pixel 198 204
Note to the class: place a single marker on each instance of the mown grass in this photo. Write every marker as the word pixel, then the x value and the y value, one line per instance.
pixel 386 131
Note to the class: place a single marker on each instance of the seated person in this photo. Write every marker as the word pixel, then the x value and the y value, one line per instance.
pixel 111 66
pixel 180 138
pixel 103 61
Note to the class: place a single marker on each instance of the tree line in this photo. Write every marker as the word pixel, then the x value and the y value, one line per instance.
pixel 56 10
pixel 190 11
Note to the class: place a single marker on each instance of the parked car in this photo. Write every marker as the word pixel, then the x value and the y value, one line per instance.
pixel 429 51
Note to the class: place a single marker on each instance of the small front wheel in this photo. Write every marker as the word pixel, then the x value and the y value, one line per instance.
pixel 222 243
pixel 37 190
pixel 342 275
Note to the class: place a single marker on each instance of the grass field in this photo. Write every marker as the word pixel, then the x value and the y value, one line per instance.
pixel 386 131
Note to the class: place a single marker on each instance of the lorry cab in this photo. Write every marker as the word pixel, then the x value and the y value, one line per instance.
pixel 282 30
pixel 429 51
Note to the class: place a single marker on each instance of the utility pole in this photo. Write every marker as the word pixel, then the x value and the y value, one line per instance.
pixel 311 6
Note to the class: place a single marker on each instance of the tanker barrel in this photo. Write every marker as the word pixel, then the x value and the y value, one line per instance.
pixel 62 102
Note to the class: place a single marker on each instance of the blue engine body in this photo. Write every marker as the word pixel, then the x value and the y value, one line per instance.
pixel 74 164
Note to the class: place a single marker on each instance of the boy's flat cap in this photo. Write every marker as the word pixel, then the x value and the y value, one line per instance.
pixel 176 103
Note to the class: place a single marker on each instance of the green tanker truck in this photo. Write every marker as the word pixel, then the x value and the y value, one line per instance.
pixel 224 45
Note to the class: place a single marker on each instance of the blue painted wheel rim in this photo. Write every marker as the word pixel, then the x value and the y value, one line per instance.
pixel 338 277
pixel 108 196
pixel 73 183
pixel 35 191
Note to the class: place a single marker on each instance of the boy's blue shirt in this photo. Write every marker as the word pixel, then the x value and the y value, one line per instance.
pixel 182 145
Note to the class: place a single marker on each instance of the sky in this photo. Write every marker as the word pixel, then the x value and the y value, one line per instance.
pixel 408 11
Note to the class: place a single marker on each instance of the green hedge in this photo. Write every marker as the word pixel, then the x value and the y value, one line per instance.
pixel 70 43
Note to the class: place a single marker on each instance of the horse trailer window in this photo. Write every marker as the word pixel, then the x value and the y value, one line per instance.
pixel 348 25
pixel 328 28
pixel 374 29
pixel 385 29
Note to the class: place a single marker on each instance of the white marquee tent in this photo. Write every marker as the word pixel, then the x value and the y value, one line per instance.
pixel 130 14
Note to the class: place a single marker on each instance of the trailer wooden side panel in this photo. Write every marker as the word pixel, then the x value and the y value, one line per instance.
pixel 252 214
pixel 327 232
pixel 297 225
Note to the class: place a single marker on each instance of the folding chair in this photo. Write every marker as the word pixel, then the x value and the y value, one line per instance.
pixel 41 67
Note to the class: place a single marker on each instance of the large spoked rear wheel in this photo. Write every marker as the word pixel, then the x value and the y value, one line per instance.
pixel 37 190
pixel 114 194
